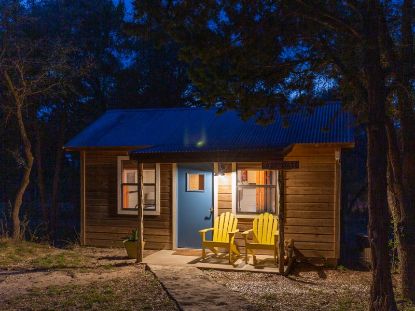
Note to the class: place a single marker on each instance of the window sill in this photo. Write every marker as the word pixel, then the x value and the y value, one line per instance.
pixel 248 216
pixel 135 213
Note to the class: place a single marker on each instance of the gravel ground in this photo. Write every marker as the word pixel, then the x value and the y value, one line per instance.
pixel 307 290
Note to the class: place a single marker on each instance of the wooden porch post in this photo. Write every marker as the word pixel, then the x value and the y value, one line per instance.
pixel 140 203
pixel 281 220
pixel 83 213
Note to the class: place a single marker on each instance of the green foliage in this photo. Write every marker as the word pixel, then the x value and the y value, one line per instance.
pixel 259 57
pixel 241 55
pixel 39 256
pixel 133 236
pixel 59 261
pixel 17 253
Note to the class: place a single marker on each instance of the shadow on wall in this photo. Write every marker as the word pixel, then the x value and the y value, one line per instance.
pixel 354 212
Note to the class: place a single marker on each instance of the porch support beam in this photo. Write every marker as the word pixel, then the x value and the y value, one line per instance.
pixel 140 201
pixel 249 155
pixel 281 221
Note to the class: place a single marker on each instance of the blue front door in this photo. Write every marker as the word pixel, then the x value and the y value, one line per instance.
pixel 195 202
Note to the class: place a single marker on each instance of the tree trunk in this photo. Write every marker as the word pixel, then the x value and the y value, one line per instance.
pixel 395 186
pixel 381 293
pixel 394 209
pixel 382 297
pixel 56 179
pixel 402 180
pixel 17 235
pixel 27 147
pixel 40 177
pixel 406 226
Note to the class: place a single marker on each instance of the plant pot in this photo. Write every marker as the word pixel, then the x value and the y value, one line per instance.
pixel 131 248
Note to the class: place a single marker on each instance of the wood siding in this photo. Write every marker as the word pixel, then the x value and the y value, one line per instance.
pixel 103 225
pixel 225 193
pixel 310 198
pixel 311 203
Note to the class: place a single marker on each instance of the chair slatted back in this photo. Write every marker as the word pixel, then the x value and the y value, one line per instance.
pixel 264 227
pixel 226 222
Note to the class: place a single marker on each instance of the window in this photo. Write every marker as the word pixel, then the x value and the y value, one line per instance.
pixel 195 182
pixel 256 191
pixel 128 187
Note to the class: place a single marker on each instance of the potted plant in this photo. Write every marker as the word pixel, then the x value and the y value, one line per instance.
pixel 130 244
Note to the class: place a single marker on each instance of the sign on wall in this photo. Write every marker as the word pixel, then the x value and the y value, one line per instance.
pixel 280 165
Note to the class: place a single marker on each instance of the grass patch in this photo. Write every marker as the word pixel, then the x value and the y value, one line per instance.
pixel 14 254
pixel 29 255
pixel 348 303
pixel 403 304
pixel 141 292
pixel 65 259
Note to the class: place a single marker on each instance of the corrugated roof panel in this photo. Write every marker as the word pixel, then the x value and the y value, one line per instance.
pixel 184 129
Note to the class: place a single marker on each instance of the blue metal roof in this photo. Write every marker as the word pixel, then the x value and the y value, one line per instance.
pixel 198 129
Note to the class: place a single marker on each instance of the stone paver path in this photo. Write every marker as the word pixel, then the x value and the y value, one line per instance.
pixel 194 290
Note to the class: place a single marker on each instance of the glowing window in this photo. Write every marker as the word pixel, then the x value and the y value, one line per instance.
pixel 195 182
pixel 256 191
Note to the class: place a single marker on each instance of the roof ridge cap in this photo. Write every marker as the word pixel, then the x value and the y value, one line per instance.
pixel 159 108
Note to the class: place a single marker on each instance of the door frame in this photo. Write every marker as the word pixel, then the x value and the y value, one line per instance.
pixel 174 207
pixel 175 195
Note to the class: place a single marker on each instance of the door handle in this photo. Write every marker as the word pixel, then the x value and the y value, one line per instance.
pixel 210 214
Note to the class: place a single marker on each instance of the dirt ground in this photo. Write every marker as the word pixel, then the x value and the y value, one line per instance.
pixel 40 277
pixel 45 278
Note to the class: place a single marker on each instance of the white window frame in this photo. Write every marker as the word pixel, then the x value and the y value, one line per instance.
pixel 122 211
pixel 234 195
pixel 188 183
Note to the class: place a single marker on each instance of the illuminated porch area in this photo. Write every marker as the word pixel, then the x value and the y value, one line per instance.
pixel 192 258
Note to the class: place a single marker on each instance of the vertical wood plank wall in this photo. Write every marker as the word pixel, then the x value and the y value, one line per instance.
pixel 103 226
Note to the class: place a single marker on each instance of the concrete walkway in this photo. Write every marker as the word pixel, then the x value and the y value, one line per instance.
pixel 168 258
pixel 194 290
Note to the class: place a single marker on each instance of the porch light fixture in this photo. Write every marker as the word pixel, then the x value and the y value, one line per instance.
pixel 200 143
pixel 220 170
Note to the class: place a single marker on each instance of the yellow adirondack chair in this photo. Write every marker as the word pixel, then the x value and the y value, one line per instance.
pixel 224 230
pixel 265 235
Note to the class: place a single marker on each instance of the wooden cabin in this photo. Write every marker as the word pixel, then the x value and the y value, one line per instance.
pixel 198 164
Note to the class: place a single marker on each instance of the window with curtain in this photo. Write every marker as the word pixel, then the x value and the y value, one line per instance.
pixel 129 186
pixel 256 191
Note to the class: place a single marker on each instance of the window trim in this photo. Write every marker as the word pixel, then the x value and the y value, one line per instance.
pixel 188 182
pixel 235 194
pixel 122 211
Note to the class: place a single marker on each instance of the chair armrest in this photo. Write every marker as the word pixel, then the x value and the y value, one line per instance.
pixel 233 232
pixel 276 233
pixel 205 230
pixel 247 232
